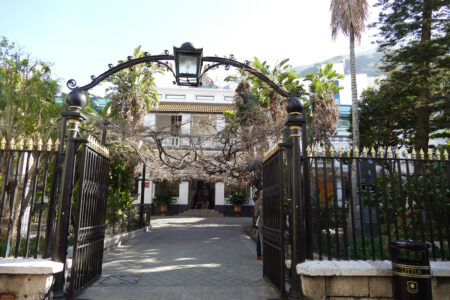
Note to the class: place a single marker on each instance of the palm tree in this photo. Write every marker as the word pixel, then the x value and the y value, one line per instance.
pixel 349 16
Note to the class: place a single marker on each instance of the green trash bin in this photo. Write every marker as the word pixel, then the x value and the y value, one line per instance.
pixel 411 270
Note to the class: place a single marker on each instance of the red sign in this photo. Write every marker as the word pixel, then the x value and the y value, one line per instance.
pixel 147 185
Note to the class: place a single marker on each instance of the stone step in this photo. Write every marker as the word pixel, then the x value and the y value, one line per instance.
pixel 205 213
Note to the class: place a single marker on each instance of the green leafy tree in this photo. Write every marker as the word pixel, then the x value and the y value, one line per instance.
pixel 349 17
pixel 27 109
pixel 27 94
pixel 414 35
pixel 324 111
pixel 133 91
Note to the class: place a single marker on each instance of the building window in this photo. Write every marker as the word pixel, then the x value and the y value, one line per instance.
pixel 344 123
pixel 178 97
pixel 203 125
pixel 167 188
pixel 337 98
pixel 175 125
pixel 201 97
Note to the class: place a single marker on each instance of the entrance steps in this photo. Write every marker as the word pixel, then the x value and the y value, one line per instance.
pixel 201 213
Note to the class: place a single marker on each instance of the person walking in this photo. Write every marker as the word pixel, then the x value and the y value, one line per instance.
pixel 258 213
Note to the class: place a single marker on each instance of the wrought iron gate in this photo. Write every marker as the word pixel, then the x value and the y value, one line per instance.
pixel 273 220
pixel 89 222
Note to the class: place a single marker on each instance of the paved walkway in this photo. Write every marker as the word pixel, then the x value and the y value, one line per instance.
pixel 184 258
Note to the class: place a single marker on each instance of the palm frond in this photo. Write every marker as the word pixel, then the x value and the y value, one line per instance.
pixel 348 16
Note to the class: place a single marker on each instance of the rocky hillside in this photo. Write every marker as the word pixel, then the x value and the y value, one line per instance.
pixel 366 62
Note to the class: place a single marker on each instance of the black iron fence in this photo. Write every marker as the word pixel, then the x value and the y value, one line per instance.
pixel 29 189
pixel 359 202
pixel 126 219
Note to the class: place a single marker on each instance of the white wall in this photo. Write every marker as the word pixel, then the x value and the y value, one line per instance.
pixel 183 195
pixel 150 121
pixel 148 195
pixel 220 193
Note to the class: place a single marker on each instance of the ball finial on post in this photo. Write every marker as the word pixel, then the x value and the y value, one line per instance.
pixel 294 108
pixel 76 99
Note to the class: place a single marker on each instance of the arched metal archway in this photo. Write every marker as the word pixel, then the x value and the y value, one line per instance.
pixel 163 60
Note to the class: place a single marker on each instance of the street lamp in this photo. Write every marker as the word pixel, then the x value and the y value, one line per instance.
pixel 188 64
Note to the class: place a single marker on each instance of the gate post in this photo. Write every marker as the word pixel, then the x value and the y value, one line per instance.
pixel 76 100
pixel 141 208
pixel 295 121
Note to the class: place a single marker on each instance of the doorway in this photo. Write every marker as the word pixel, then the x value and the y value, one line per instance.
pixel 201 195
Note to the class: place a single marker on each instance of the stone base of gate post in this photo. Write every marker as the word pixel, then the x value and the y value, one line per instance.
pixel 27 279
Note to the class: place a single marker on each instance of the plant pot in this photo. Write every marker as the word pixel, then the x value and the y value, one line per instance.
pixel 163 209
pixel 237 210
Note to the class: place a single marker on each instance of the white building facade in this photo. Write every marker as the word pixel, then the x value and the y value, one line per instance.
pixel 197 113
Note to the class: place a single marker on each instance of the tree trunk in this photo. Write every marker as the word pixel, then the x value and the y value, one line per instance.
pixel 355 141
pixel 355 112
pixel 423 117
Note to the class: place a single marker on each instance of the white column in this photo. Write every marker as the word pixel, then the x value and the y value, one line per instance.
pixel 220 193
pixel 150 121
pixel 185 128
pixel 220 123
pixel 148 196
pixel 183 196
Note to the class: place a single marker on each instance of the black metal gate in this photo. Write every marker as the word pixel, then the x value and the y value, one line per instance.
pixel 89 222
pixel 273 221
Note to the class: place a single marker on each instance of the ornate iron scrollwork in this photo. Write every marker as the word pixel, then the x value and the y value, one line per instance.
pixel 164 59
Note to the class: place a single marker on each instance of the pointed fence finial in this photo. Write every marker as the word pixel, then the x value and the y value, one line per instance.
pixel 389 152
pixel 12 144
pixel 308 150
pixel 3 143
pixel 445 154
pixel 332 151
pixel 397 153
pixel 324 151
pixel 414 153
pixel 421 154
pixel 347 151
pixel 40 144
pixel 49 144
pixel 30 144
pixel 57 142
pixel 340 151
pixel 430 153
pixel 315 152
pixel 381 152
pixel 20 144
pixel 438 154
pixel 373 153
pixel 364 152
pixel 405 154
pixel 356 151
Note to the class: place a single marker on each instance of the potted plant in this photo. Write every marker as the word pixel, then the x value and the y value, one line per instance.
pixel 237 199
pixel 163 201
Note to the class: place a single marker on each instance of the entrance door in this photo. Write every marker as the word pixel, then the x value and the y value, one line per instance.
pixel 202 195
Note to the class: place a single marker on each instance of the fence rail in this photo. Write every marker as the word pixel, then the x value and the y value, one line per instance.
pixel 121 220
pixel 359 202
pixel 29 188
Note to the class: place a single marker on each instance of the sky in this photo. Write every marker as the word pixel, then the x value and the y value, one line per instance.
pixel 80 38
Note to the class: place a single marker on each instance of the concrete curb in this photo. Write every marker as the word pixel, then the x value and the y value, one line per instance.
pixel 117 240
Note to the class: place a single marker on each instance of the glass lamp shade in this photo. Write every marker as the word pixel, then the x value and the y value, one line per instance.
pixel 188 64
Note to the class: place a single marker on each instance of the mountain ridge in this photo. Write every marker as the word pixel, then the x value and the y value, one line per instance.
pixel 366 62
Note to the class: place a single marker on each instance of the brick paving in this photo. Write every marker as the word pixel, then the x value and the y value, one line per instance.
pixel 184 258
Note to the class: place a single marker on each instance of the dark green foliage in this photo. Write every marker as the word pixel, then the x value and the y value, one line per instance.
pixel 237 198
pixel 414 35
pixel 22 245
pixel 162 199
